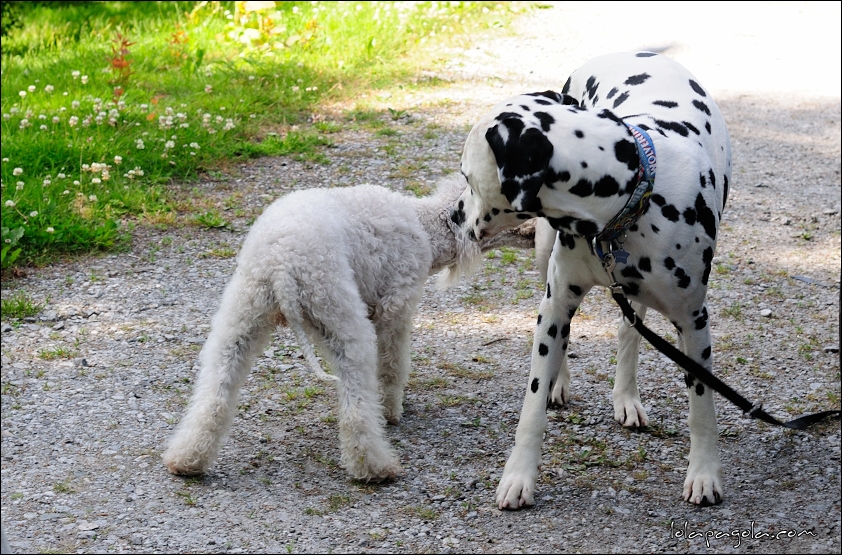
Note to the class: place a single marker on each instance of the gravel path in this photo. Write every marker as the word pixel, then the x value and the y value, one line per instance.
pixel 92 387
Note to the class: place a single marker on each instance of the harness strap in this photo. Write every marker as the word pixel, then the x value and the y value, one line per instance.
pixel 706 376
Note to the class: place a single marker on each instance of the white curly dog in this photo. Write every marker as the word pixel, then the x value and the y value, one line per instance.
pixel 346 268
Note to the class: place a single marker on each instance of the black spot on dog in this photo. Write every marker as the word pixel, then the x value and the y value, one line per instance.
pixel 707 258
pixel 683 278
pixel 706 353
pixel 701 106
pixel 583 188
pixel 608 114
pixel 689 380
pixel 495 211
pixel 702 181
pixel 689 216
pixel 566 88
pixel 705 216
pixel 620 99
pixel 553 331
pixel 712 178
pixel 534 386
pixel 669 263
pixel 631 289
pixel 699 90
pixel 540 317
pixel 566 240
pixel 606 186
pixel 655 228
pixel 666 103
pixel 525 108
pixel 631 272
pixel 526 215
pixel 552 95
pixel 626 153
pixel 523 158
pixel 579 134
pixel 670 212
pixel 576 290
pixel 583 164
pixel 637 79
pixel 701 321
pixel 508 115
pixel 591 86
pixel 611 93
pixel 678 246
pixel 673 126
pixel 543 350
pixel 725 190
pixel 692 128
pixel 549 293
pixel 565 330
pixel 645 264
pixel 645 54
pixel 700 389
pixel 571 313
pixel 546 120
pixel 658 199
pixel 586 228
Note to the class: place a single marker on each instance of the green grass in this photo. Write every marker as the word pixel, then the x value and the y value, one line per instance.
pixel 19 305
pixel 106 104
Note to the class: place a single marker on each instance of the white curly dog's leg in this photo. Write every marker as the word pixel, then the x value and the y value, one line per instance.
pixel 239 329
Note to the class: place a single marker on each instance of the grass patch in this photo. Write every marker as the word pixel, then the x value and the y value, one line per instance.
pixel 106 104
pixel 19 305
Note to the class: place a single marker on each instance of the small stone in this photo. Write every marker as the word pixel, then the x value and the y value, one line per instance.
pixel 766 313
pixel 831 349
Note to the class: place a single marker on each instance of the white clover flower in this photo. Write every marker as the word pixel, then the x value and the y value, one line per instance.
pixel 74 104
pixel 169 144
pixel 92 198
pixel 84 79
pixel 42 116
pixel 75 74
pixel 139 144
pixel 22 94
pixel 96 181
pixel 86 167
pixel 49 88
pixel 31 88
pixel 295 88
pixel 76 182
pixel 66 192
pixel 5 159
pixel 24 123
pixel 7 116
pixel 73 121
pixel 19 185
pixel 17 171
pixel 47 182
pixel 184 125
pixel 208 88
pixel 194 145
pixel 14 110
pixel 10 203
pixel 50 230
pixel 60 176
pixel 56 119
pixel 229 124
pixel 43 128
pixel 33 214
pixel 118 160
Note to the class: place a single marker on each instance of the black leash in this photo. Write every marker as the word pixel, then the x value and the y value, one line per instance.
pixel 705 376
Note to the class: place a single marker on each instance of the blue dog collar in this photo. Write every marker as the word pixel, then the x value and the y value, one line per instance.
pixel 639 200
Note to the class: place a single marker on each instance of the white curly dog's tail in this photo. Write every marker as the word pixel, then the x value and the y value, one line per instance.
pixel 295 320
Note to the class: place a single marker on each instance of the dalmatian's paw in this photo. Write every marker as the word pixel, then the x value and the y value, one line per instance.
pixel 517 486
pixel 704 486
pixel 629 412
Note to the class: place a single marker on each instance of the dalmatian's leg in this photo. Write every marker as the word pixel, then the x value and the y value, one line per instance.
pixel 562 298
pixel 561 391
pixel 628 410
pixel 703 485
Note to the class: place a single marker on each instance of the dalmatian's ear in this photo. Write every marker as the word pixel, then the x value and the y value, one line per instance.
pixel 560 98
pixel 523 158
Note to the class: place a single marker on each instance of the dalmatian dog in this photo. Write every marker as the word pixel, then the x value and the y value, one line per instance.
pixel 579 159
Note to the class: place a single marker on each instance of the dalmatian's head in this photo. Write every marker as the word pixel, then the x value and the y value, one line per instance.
pixel 506 161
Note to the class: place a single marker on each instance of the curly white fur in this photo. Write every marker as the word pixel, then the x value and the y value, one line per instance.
pixel 345 269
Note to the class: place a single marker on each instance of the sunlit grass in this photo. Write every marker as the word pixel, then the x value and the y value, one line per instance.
pixel 105 104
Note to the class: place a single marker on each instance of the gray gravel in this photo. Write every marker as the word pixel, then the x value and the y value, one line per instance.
pixel 92 386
